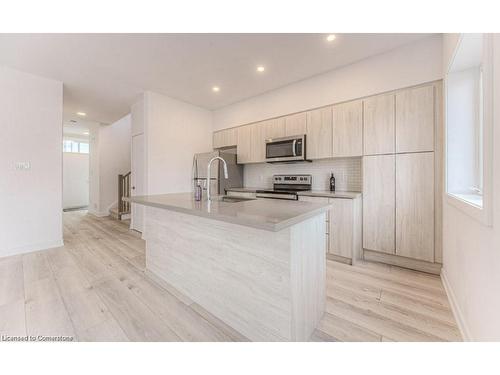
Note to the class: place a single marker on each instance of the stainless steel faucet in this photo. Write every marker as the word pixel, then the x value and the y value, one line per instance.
pixel 208 173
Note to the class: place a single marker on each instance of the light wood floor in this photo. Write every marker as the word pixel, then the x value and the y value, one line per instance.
pixel 95 289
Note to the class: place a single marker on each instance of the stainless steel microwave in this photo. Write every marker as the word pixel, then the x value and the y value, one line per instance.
pixel 286 149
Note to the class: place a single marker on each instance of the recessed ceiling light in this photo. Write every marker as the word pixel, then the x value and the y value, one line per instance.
pixel 86 133
pixel 331 37
pixel 216 89
pixel 83 114
pixel 260 68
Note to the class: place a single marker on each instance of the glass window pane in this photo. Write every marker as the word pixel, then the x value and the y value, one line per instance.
pixel 84 148
pixel 66 146
pixel 74 146
pixel 464 121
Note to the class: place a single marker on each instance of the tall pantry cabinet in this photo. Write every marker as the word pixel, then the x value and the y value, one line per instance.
pixel 399 177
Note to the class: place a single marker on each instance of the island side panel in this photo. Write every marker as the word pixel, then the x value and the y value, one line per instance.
pixel 239 274
pixel 308 276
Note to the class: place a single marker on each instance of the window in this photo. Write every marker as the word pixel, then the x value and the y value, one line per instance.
pixel 75 146
pixel 84 148
pixel 67 146
pixel 468 120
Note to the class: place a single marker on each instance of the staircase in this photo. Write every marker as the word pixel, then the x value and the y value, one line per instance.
pixel 122 208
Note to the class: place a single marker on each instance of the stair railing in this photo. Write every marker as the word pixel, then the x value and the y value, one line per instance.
pixel 123 192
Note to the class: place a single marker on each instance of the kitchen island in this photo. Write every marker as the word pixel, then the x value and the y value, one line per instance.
pixel 257 265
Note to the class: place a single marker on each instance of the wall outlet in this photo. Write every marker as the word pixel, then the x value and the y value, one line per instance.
pixel 23 165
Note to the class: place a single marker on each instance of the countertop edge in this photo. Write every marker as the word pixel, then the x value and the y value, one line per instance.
pixel 311 193
pixel 327 194
pixel 265 226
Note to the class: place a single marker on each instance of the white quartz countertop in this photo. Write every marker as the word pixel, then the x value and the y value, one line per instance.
pixel 268 214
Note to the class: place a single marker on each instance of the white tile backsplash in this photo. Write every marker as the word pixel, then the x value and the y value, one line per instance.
pixel 347 172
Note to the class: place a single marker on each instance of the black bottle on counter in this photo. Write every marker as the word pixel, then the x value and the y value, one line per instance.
pixel 332 183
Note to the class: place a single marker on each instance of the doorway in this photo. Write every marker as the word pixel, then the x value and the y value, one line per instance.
pixel 76 150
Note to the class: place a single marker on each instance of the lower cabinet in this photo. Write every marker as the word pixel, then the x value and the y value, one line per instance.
pixel 343 227
pixel 415 205
pixel 379 200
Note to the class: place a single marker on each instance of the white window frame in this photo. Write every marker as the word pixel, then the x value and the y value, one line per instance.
pixel 484 213
pixel 78 142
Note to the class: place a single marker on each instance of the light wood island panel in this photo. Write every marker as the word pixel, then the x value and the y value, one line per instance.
pixel 270 286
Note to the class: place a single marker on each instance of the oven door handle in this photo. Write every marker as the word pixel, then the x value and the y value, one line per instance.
pixel 294 147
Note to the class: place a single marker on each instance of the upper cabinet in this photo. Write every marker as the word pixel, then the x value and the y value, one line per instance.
pixel 258 142
pixel 379 124
pixel 243 145
pixel 319 133
pixel 274 128
pixel 251 143
pixel 347 129
pixel 415 119
pixel 296 124
pixel 398 122
pixel 225 138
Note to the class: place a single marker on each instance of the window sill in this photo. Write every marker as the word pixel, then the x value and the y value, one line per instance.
pixel 470 204
pixel 475 200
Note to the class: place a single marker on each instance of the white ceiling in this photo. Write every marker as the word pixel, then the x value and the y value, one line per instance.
pixel 103 74
pixel 76 128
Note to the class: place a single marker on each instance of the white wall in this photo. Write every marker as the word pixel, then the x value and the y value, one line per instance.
pixel 409 65
pixel 94 204
pixel 114 159
pixel 75 180
pixel 174 131
pixel 471 250
pixel 31 128
pixel 138 163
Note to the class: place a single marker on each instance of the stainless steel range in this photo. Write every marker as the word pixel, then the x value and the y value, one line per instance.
pixel 287 186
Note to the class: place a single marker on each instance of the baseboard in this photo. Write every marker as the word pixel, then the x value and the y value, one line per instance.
pixel 169 288
pixel 338 258
pixel 396 260
pixel 32 248
pixel 457 313
pixel 99 214
pixel 75 208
